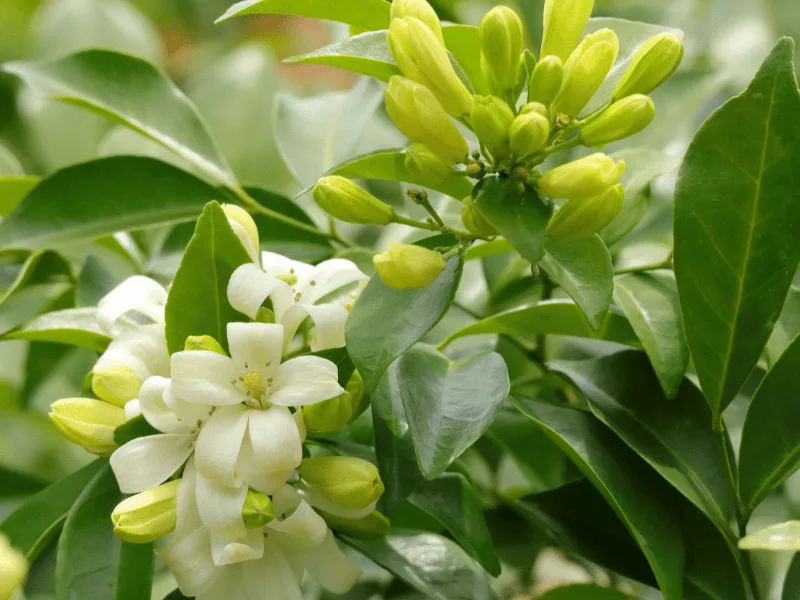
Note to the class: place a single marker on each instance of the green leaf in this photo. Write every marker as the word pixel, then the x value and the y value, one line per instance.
pixel 521 218
pixel 91 560
pixel 737 208
pixel 16 483
pixel 587 591
pixel 132 429
pixel 787 328
pixel 651 303
pixel 431 564
pixel 791 587
pixel 198 299
pixel 366 14
pixel 626 483
pixel 452 501
pixel 36 522
pixel 585 271
pixel 132 92
pixel 673 435
pixel 783 536
pixel 101 197
pixel 448 404
pixel 13 189
pixel 385 322
pixel 72 326
pixel 9 164
pixel 770 450
pixel 464 45
pixel 366 53
pixel 551 317
pixel 391 166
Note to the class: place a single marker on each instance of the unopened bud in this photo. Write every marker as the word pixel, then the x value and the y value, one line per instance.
pixel 374 524
pixel 623 119
pixel 405 266
pixel 244 227
pixel 13 569
pixel 564 22
pixel 257 510
pixel 491 120
pixel 89 423
pixel 115 383
pixel 654 63
pixel 148 516
pixel 423 164
pixel 423 58
pixel 203 342
pixel 581 179
pixel 501 36
pixel 265 315
pixel 476 170
pixel 475 223
pixel 581 218
pixel 585 71
pixel 421 118
pixel 529 133
pixel 534 107
pixel 546 80
pixel 343 199
pixel 331 415
pixel 419 9
pixel 346 481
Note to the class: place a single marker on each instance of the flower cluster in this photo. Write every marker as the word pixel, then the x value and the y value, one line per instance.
pixel 223 469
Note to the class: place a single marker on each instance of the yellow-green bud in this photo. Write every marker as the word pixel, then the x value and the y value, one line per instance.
pixel 423 58
pixel 404 266
pixel 529 133
pixel 564 22
pixel 348 482
pixel 89 423
pixel 581 179
pixel 374 524
pixel 585 71
pixel 474 221
pixel 581 218
pixel 423 164
pixel 501 36
pixel 419 9
pixel 491 121
pixel 534 107
pixel 243 226
pixel 546 80
pixel 257 510
pixel 343 199
pixel 654 63
pixel 335 414
pixel 421 118
pixel 623 119
pixel 116 384
pixel 13 568
pixel 203 342
pixel 265 315
pixel 355 387
pixel 148 516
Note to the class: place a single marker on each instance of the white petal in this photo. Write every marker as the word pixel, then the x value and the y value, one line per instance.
pixel 146 462
pixel 220 508
pixel 191 415
pixel 132 409
pixel 155 410
pixel 330 567
pixel 278 265
pixel 256 347
pixel 329 277
pixel 219 445
pixel 137 293
pixel 187 517
pixel 273 573
pixel 226 551
pixel 275 440
pixel 300 531
pixel 249 287
pixel 204 377
pixel 301 424
pixel 189 559
pixel 254 475
pixel 329 321
pixel 143 350
pixel 305 380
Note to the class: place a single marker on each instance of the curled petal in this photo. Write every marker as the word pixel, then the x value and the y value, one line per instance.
pixel 296 528
pixel 143 350
pixel 305 380
pixel 329 277
pixel 249 287
pixel 273 573
pixel 220 508
pixel 146 462
pixel 329 321
pixel 277 265
pixel 275 440
pixel 219 445
pixel 189 559
pixel 155 410
pixel 187 516
pixel 226 552
pixel 330 567
pixel 132 409
pixel 135 294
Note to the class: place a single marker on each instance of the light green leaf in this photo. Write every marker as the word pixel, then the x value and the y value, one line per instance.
pixel 787 327
pixel 651 303
pixel 13 189
pixel 198 299
pixel 9 164
pixel 73 326
pixel 366 14
pixel 144 100
pixel 583 268
pixel 366 53
pixel 489 249
pixel 464 45
pixel 586 591
pixel 783 536
pixel 737 208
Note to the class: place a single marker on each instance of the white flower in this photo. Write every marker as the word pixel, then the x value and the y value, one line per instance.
pixel 137 294
pixel 299 291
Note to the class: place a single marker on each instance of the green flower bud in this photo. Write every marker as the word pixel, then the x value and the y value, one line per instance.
pixel 116 384
pixel 374 524
pixel 581 179
pixel 257 510
pixel 243 226
pixel 581 218
pixel 424 165
pixel 203 342
pixel 623 119
pixel 345 200
pixel 419 9
pixel 529 133
pixel 654 63
pixel 546 80
pixel 491 120
pixel 585 71
pixel 330 415
pixel 265 315
pixel 474 221
pixel 404 266
pixel 346 481
pixel 13 568
pixel 564 22
pixel 534 107
pixel 421 118
pixel 424 59
pixel 148 516
pixel 501 36
pixel 89 423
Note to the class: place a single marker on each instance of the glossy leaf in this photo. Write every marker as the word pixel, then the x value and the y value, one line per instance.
pixel 736 209
pixel 144 100
pixel 13 189
pixel 651 303
pixel 18 484
pixel 367 14
pixel 132 429
pixel 367 54
pixel 586 591
pixel 198 299
pixel 73 326
pixel 787 327
pixel 385 322
pixel 783 536
pixel 463 42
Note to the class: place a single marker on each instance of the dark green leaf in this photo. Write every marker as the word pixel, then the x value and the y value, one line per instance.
pixel 737 211
pixel 787 328
pixel 28 302
pixel 175 595
pixel 73 326
pixel 95 280
pixel 15 483
pixel 135 572
pixel 367 14
pixel 791 587
pixel 587 591
pixel 198 299
pixel 134 428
